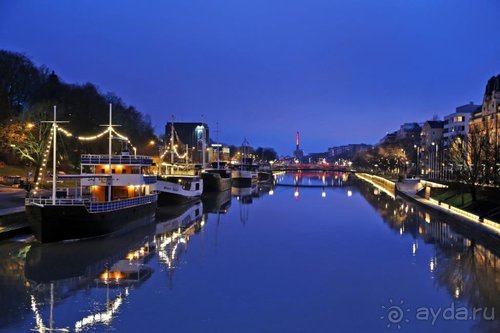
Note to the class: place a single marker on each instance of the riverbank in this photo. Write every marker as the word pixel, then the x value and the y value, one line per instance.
pixel 473 223
pixel 12 216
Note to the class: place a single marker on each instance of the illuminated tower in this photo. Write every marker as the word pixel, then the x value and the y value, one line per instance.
pixel 298 154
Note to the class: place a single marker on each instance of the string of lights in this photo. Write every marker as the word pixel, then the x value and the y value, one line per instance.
pixel 97 136
pixel 93 137
pixel 175 151
pixel 44 161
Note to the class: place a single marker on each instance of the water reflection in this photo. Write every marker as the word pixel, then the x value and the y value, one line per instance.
pixel 173 235
pixel 88 285
pixel 246 196
pixel 313 179
pixel 57 271
pixel 468 269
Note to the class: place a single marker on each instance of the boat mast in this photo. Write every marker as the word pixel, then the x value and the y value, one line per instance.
pixel 54 152
pixel 109 148
pixel 172 145
pixel 54 156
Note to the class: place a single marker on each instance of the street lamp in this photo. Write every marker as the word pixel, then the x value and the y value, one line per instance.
pixel 417 148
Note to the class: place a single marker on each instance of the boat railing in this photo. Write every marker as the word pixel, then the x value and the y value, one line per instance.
pixel 58 201
pixel 116 159
pixel 96 207
pixel 149 179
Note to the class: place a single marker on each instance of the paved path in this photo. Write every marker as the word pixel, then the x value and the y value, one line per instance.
pixel 12 222
pixel 11 210
pixel 491 229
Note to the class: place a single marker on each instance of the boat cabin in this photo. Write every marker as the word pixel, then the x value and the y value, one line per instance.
pixel 121 177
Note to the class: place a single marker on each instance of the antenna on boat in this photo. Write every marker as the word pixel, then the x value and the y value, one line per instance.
pixel 54 152
pixel 110 141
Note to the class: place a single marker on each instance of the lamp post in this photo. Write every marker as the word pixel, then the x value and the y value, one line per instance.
pixel 417 150
pixel 435 163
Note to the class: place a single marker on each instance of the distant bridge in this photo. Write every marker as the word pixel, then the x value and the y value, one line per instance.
pixel 313 167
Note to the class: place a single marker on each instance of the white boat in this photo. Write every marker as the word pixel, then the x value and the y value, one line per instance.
pixel 178 189
pixel 245 174
pixel 174 188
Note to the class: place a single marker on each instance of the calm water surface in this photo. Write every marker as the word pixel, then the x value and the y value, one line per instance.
pixel 329 255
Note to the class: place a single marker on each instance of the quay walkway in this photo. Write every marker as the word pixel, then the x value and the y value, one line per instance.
pixel 13 222
pixel 12 218
pixel 409 191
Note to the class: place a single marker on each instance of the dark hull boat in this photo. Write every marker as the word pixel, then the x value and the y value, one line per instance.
pixel 244 178
pixel 52 223
pixel 113 191
pixel 216 180
pixel 245 174
pixel 265 176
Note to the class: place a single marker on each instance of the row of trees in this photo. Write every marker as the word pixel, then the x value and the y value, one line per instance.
pixel 27 96
pixel 475 159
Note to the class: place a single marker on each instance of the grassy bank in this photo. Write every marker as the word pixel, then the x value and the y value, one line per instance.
pixel 487 203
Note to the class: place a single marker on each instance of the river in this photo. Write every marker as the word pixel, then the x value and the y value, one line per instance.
pixel 319 252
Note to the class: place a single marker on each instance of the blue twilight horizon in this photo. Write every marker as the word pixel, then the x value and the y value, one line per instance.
pixel 337 71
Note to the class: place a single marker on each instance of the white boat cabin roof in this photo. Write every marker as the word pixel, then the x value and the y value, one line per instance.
pixel 133 160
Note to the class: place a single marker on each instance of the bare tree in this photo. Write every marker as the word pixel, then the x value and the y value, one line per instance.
pixel 471 157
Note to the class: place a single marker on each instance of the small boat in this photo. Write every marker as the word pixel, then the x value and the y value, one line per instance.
pixel 265 174
pixel 178 189
pixel 181 186
pixel 114 191
pixel 217 178
pixel 245 174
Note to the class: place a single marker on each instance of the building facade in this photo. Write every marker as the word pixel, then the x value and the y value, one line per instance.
pixel 487 120
pixel 409 131
pixel 457 124
pixel 431 147
pixel 347 151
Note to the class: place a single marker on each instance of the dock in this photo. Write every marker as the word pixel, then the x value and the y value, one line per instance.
pixel 12 218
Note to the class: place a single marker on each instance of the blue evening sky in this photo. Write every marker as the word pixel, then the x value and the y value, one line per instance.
pixel 338 71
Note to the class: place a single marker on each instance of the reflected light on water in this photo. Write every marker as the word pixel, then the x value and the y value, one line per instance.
pixel 104 317
pixel 414 248
pixel 349 193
